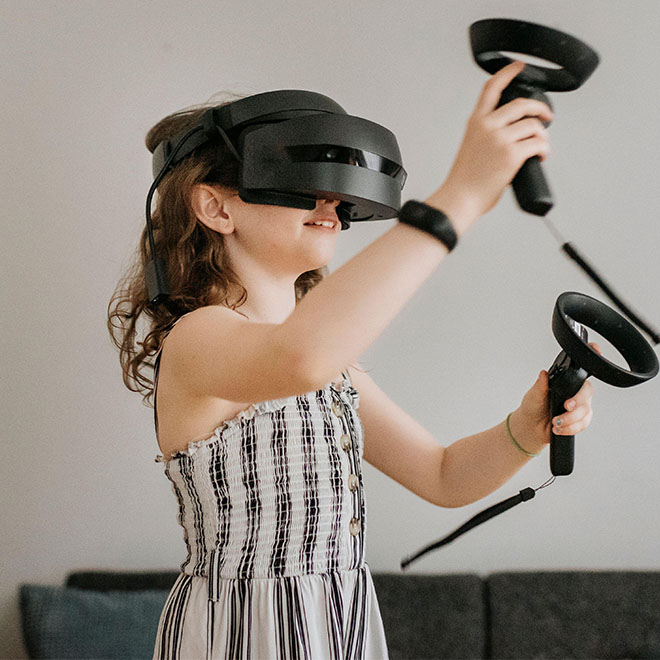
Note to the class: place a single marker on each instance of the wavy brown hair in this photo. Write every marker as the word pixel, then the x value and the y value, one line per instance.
pixel 198 268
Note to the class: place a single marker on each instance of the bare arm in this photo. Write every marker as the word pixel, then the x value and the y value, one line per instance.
pixel 479 464
pixel 448 476
pixel 469 468
pixel 475 466
pixel 340 317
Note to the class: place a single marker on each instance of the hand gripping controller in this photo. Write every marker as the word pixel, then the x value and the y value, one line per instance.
pixel 577 361
pixel 578 61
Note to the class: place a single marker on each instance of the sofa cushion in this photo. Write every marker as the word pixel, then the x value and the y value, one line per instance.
pixel 432 616
pixel 67 622
pixel 575 614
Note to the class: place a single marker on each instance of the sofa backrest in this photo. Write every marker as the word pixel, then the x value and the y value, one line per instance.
pixel 430 616
pixel 574 614
pixel 554 614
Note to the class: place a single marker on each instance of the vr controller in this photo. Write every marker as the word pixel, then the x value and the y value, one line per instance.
pixel 577 361
pixel 577 61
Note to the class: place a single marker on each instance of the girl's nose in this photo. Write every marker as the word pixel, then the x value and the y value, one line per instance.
pixel 331 202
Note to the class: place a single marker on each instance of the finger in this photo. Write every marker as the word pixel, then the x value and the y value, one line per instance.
pixel 492 89
pixel 523 129
pixel 572 416
pixel 596 347
pixel 583 396
pixel 573 427
pixel 521 107
pixel 532 146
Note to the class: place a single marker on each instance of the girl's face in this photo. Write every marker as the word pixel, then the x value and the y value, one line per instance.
pixel 280 239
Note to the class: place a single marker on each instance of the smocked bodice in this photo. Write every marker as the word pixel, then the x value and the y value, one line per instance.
pixel 275 491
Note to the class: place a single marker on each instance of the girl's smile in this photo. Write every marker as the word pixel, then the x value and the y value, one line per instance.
pixel 329 224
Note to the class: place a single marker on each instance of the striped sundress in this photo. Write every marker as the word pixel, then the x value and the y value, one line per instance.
pixel 273 513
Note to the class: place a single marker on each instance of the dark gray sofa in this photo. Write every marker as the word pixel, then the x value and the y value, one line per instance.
pixel 568 614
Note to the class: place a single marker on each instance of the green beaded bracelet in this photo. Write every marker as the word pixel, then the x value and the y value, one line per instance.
pixel 508 430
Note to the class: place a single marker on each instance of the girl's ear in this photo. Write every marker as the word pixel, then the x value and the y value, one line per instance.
pixel 208 204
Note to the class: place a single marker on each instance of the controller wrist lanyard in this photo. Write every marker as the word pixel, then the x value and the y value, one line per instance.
pixel 577 360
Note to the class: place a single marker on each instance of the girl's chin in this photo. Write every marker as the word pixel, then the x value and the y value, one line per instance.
pixel 323 254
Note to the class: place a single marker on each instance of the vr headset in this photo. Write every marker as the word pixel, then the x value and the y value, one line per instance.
pixel 294 147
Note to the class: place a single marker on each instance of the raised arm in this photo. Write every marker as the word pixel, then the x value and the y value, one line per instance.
pixel 340 317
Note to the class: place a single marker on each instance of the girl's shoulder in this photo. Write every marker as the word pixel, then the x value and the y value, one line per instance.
pixel 185 332
pixel 216 352
pixel 207 313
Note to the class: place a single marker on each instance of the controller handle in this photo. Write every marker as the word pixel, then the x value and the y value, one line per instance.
pixel 565 378
pixel 529 185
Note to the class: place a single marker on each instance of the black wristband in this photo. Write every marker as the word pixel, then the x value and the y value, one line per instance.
pixel 432 220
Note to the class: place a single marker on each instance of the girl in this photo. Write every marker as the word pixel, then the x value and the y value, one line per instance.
pixel 258 395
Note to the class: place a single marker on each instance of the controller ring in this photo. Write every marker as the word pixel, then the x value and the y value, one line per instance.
pixel 491 35
pixel 634 348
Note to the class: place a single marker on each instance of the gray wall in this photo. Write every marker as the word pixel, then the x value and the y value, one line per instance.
pixel 82 82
